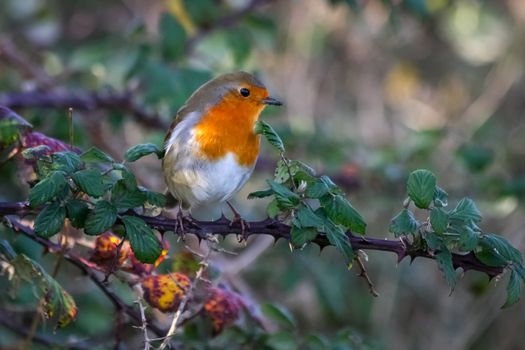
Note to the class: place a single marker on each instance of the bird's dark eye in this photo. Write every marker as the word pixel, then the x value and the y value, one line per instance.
pixel 244 92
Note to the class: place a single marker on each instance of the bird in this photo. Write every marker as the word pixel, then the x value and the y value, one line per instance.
pixel 211 147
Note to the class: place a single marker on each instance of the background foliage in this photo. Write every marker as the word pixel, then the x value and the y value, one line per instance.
pixel 373 90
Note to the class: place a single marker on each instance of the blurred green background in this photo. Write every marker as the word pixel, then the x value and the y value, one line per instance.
pixel 372 89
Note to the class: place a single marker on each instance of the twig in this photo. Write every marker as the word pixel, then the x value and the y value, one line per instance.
pixel 277 230
pixel 364 274
pixel 8 322
pixel 184 301
pixel 85 101
pixel 144 324
pixel 80 263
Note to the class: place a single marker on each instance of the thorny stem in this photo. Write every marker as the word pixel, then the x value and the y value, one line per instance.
pixel 278 229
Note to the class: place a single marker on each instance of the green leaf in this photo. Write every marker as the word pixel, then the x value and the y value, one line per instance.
pixel 48 188
pixel 337 237
pixel 476 158
pixel 421 186
pixel 306 217
pixel 490 257
pixel 77 212
pixel 129 179
pixel 440 197
pixel 273 208
pixel 66 161
pixel 444 261
pixel 317 189
pixel 123 198
pixel 173 37
pixel 35 152
pixel 334 189
pixel 142 239
pixel 58 304
pixel 403 223
pixel 502 248
pixel 302 235
pixel 285 197
pixel 155 198
pixel 433 240
pixel 279 315
pixel 468 239
pixel 466 210
pixel 95 155
pixel 101 218
pixel 50 220
pixel 261 194
pixel 340 211
pixel 513 289
pixel 139 151
pixel 269 133
pixel 439 220
pixel 281 341
pixel 89 181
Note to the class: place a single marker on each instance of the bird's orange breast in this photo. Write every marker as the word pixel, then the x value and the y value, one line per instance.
pixel 228 127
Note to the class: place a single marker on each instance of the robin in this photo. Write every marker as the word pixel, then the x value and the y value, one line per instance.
pixel 211 147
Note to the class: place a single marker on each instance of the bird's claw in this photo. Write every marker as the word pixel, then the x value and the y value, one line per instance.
pixel 237 219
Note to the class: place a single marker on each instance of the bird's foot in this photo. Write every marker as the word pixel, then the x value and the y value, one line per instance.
pixel 179 225
pixel 237 219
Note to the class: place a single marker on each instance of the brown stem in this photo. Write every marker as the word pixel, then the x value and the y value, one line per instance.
pixel 278 230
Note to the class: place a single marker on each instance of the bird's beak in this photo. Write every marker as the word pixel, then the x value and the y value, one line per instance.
pixel 272 101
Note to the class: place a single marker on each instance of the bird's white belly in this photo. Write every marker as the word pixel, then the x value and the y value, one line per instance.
pixel 217 181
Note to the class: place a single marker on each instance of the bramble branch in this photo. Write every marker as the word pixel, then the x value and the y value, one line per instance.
pixel 81 264
pixel 85 101
pixel 278 230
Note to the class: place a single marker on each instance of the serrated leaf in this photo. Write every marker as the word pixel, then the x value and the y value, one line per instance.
pixel 421 186
pixel 142 239
pixel 334 189
pixel 139 151
pixel 95 155
pixel 129 179
pixel 279 316
pixel 269 133
pixel 50 220
pixel 89 181
pixel 466 210
pixel 502 248
pixel 433 240
pixel 317 189
pixel 337 237
pixel 439 220
pixel 261 194
pixel 403 223
pixel 285 197
pixel 468 239
pixel 58 303
pixel 306 217
pixel 155 198
pixel 273 208
pixel 35 152
pixel 77 212
pixel 444 261
pixel 65 161
pixel 513 289
pixel 302 235
pixel 48 188
pixel 490 257
pixel 123 198
pixel 101 218
pixel 341 212
pixel 440 197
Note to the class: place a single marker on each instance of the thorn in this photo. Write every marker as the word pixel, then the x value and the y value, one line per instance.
pixel 291 247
